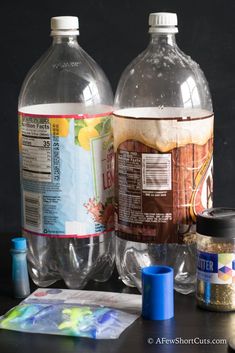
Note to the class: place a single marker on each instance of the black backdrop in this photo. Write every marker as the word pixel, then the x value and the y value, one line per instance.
pixel 113 32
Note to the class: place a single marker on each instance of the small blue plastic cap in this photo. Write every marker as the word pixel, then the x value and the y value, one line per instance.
pixel 19 243
pixel 157 292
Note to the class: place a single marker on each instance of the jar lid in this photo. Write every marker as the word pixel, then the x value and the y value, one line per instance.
pixel 217 222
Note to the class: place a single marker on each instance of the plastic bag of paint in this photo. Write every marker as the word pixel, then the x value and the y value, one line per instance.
pixel 97 322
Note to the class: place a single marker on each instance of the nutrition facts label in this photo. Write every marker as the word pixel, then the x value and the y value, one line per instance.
pixel 144 194
pixel 130 187
pixel 156 171
pixel 36 149
pixel 142 179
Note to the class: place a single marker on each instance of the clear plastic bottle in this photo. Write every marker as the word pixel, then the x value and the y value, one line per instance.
pixel 66 159
pixel 163 142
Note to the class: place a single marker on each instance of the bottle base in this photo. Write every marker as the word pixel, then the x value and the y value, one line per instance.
pixel 131 257
pixel 184 288
pixel 128 282
pixel 46 283
pixel 75 261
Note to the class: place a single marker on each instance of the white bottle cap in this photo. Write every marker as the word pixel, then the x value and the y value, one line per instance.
pixel 163 22
pixel 64 25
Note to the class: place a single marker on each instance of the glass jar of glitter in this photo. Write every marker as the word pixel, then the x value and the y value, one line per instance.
pixel 216 259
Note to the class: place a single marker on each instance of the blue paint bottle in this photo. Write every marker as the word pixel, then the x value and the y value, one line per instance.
pixel 20 275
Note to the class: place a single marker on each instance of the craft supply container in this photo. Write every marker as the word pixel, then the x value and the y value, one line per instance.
pixel 216 259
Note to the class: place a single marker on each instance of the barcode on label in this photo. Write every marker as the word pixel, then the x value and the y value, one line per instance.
pixel 33 211
pixel 156 171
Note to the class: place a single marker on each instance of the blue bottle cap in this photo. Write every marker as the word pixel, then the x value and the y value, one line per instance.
pixel 157 292
pixel 19 243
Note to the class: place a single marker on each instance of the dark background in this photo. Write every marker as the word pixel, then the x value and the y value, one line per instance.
pixel 113 32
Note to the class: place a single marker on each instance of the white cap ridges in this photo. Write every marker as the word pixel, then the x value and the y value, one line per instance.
pixel 163 22
pixel 64 25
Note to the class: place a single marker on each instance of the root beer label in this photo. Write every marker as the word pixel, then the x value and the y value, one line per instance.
pixel 163 172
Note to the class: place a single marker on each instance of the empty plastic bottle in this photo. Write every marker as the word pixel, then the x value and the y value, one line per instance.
pixel 163 141
pixel 66 159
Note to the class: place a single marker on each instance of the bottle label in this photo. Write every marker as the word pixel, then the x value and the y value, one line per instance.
pixel 163 176
pixel 216 268
pixel 66 174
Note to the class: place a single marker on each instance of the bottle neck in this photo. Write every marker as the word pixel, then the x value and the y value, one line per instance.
pixel 163 39
pixel 70 40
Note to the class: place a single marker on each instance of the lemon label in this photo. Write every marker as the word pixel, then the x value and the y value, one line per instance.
pixel 66 174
